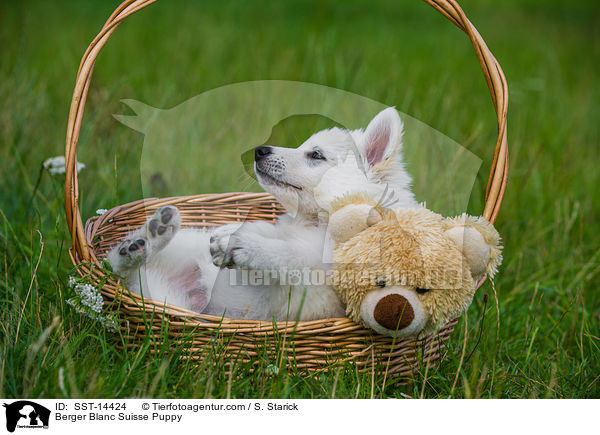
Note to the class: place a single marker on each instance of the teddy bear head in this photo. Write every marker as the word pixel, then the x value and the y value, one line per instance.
pixel 406 272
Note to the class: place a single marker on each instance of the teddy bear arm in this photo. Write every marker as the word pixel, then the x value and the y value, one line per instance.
pixel 350 220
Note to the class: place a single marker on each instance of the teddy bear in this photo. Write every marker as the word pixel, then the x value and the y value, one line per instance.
pixel 407 271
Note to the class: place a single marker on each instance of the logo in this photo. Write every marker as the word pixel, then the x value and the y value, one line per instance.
pixel 26 414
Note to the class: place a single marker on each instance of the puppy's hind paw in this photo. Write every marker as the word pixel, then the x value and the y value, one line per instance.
pixel 163 225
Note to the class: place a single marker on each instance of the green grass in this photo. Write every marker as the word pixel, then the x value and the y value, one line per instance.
pixel 539 338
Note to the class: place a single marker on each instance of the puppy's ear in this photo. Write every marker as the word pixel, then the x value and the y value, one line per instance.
pixel 382 137
pixel 479 242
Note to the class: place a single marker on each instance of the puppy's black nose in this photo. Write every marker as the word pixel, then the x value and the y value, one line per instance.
pixel 261 152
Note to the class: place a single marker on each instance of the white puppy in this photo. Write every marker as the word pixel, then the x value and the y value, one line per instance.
pixel 263 270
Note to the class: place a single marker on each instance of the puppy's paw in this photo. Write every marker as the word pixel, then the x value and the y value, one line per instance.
pixel 220 245
pixel 242 249
pixel 163 225
pixel 132 252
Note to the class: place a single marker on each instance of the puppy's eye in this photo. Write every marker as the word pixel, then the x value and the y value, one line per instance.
pixel 422 291
pixel 317 155
pixel 381 283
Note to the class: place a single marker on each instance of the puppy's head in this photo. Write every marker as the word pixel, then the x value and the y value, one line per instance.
pixel 292 175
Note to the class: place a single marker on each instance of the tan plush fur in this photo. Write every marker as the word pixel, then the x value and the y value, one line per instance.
pixel 411 248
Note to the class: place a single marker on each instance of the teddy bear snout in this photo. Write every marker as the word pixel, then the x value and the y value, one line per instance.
pixel 394 312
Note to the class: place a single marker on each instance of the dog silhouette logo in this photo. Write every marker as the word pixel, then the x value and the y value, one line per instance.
pixel 26 414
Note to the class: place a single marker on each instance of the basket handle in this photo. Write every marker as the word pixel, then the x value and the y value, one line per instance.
pixel 449 8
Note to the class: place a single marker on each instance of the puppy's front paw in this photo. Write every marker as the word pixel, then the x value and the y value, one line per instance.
pixel 220 245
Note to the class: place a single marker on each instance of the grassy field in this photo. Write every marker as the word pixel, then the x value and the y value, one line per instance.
pixel 539 338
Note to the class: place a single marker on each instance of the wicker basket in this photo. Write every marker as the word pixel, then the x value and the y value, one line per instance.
pixel 315 345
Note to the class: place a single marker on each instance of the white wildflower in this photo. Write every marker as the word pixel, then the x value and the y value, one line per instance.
pixel 101 211
pixel 90 297
pixel 56 165
pixel 109 324
pixel 89 301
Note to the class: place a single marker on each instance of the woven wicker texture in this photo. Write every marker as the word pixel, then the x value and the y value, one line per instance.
pixel 314 345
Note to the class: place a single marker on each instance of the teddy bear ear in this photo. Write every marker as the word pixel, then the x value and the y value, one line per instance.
pixel 479 242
